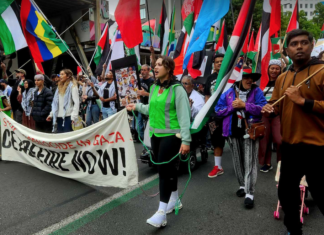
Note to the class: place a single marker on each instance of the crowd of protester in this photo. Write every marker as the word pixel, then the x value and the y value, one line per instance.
pixel 56 104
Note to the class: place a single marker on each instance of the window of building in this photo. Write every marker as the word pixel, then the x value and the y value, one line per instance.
pixel 300 6
pixel 311 5
pixel 311 13
pixel 142 2
pixel 143 13
pixel 285 6
pixel 306 5
pixel 306 13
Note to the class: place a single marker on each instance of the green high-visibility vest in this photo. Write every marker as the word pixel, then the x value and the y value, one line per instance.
pixel 162 112
pixel 8 112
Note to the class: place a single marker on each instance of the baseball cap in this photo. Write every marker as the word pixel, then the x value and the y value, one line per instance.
pixel 20 71
pixel 3 81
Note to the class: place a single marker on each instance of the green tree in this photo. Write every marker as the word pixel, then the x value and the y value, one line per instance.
pixel 308 25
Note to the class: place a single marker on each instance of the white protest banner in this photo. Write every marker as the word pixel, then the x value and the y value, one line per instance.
pixel 102 154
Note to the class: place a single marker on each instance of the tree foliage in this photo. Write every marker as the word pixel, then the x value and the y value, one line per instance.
pixel 313 26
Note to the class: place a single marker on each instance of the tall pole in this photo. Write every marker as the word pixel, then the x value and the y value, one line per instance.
pixel 148 18
pixel 97 21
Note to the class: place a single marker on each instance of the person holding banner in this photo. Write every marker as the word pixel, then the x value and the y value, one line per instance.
pixel 169 114
pixel 66 102
pixel 26 99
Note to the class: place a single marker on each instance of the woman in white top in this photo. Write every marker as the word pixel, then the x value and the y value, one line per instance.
pixel 65 105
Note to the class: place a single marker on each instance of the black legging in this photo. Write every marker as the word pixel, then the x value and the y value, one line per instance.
pixel 165 148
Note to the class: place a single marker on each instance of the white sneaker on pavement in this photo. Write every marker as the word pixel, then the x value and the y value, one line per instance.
pixel 158 220
pixel 171 206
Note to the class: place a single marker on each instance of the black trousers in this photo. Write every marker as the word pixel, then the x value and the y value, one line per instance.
pixel 165 148
pixel 299 160
pixel 45 127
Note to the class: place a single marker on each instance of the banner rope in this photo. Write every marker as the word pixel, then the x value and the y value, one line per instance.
pixel 161 163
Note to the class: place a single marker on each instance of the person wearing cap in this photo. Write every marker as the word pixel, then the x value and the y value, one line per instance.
pixel 26 99
pixel 5 89
pixel 42 105
pixel 14 83
pixel 244 100
pixel 215 123
pixel 272 123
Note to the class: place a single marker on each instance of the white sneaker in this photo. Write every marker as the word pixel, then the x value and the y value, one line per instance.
pixel 171 206
pixel 158 220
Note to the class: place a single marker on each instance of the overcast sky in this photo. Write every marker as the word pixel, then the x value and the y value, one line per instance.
pixel 112 6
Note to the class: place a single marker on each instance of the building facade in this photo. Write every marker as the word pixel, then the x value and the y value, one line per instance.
pixel 308 6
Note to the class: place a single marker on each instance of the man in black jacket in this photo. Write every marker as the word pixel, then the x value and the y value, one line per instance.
pixel 42 105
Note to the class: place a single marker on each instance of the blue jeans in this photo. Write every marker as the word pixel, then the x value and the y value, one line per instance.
pixel 140 128
pixel 92 114
pixel 67 125
pixel 107 112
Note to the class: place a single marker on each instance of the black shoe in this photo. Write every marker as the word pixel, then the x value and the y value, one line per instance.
pixel 240 193
pixel 249 203
pixel 266 168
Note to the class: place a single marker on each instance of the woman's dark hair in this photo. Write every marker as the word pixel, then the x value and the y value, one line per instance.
pixel 53 76
pixel 168 64
pixel 298 32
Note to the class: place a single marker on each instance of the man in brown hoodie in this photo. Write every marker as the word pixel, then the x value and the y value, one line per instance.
pixel 302 127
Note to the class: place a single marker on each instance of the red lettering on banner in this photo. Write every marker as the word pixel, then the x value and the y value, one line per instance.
pixel 96 141
pixel 103 140
pixel 70 145
pixel 64 146
pixel 119 137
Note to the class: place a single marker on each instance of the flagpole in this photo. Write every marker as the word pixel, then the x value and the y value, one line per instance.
pixel 21 67
pixel 74 23
pixel 149 23
pixel 70 53
pixel 93 55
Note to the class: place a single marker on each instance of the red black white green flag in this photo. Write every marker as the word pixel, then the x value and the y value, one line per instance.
pixel 222 42
pixel 103 49
pixel 163 30
pixel 233 51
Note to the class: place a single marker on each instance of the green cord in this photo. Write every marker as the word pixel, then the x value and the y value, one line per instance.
pixel 160 163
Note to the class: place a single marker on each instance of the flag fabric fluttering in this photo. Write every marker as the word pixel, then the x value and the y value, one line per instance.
pixel 275 17
pixel 163 30
pixel 79 70
pixel 40 37
pixel 265 44
pixel 102 48
pixel 294 19
pixel 11 34
pixel 211 12
pixel 230 60
pixel 236 74
pixel 127 15
pixel 276 44
pixel 149 26
pixel 222 43
pixel 246 43
pixel 322 30
pixel 134 51
pixel 117 49
pixel 172 40
pixel 39 68
pixel 250 52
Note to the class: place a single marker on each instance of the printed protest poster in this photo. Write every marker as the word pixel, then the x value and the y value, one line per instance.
pixel 102 154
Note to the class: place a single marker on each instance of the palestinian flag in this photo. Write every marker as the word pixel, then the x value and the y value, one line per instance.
pixel 172 40
pixel 11 34
pixel 222 42
pixel 149 26
pixel 134 51
pixel 239 34
pixel 246 43
pixel 322 29
pixel 265 44
pixel 256 67
pixel 179 53
pixel 103 49
pixel 251 52
pixel 293 23
pixel 275 17
pixel 236 74
pixel 163 31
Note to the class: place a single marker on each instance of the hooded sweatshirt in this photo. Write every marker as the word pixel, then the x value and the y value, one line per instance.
pixel 302 124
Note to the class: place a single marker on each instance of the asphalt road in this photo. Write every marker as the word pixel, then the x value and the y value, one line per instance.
pixel 32 200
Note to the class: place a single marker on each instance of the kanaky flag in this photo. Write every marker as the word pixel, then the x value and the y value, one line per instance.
pixel 127 15
pixel 222 42
pixel 293 23
pixel 275 17
pixel 229 62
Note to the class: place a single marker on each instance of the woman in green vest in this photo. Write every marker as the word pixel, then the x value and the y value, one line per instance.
pixel 169 114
